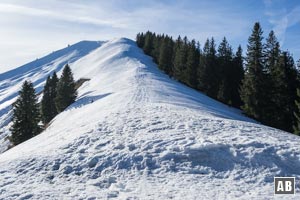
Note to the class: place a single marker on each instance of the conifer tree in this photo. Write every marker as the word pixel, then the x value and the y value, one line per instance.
pixel 237 75
pixel 203 69
pixel 45 103
pixel 272 52
pixel 157 41
pixel 296 126
pixel 66 92
pixel 140 40
pixel 214 70
pixel 166 54
pixel 48 107
pixel 180 59
pixel 148 44
pixel 54 82
pixel 285 83
pixel 184 53
pixel 271 59
pixel 225 66
pixel 252 90
pixel 209 76
pixel 192 64
pixel 25 115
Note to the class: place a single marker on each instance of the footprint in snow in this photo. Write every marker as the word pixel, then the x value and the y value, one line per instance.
pixel 93 162
pixel 113 194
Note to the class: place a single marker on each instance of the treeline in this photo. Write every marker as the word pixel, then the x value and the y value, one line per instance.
pixel 30 117
pixel 263 84
pixel 217 72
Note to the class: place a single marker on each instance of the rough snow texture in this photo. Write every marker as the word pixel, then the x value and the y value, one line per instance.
pixel 134 133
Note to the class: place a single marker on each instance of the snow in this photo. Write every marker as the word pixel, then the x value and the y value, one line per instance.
pixel 134 133
pixel 37 72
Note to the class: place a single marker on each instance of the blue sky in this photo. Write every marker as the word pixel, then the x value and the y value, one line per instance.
pixel 31 29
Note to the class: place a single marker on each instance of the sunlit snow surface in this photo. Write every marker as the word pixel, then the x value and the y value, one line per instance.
pixel 37 72
pixel 134 133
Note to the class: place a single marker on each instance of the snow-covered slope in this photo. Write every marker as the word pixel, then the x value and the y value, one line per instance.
pixel 134 133
pixel 37 71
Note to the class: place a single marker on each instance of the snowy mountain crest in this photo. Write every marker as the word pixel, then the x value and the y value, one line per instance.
pixel 134 133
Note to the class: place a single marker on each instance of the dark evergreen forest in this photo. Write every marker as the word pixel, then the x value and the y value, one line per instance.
pixel 263 84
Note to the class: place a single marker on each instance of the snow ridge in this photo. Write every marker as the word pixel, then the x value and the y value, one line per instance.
pixel 36 71
pixel 134 133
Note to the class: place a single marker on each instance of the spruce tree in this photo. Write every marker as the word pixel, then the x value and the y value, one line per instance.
pixel 214 70
pixel 184 54
pixel 148 44
pixel 209 76
pixel 285 86
pixel 66 92
pixel 140 39
pixel 272 52
pixel 48 107
pixel 53 93
pixel 165 56
pixel 296 126
pixel 203 69
pixel 177 64
pixel 171 44
pixel 225 66
pixel 45 103
pixel 192 65
pixel 26 116
pixel 252 90
pixel 271 59
pixel 280 95
pixel 237 75
pixel 54 82
pixel 180 59
pixel 157 41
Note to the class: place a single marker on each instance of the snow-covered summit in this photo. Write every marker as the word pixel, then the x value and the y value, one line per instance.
pixel 134 133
